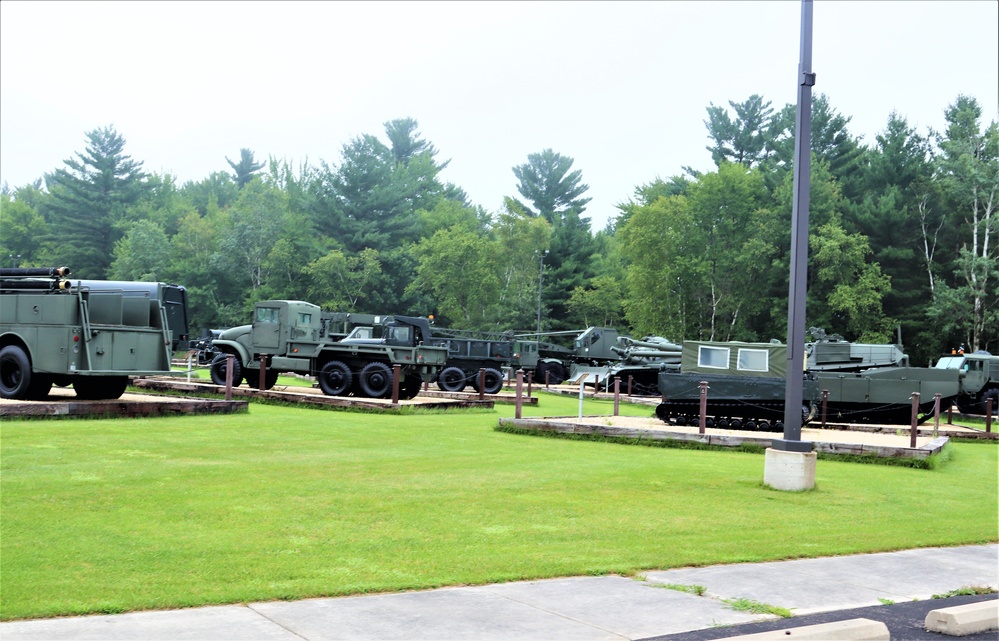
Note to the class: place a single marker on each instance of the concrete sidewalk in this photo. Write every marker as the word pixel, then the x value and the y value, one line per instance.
pixel 579 608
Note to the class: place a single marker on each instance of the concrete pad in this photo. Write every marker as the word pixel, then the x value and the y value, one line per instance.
pixel 962 620
pixel 471 614
pixel 835 583
pixel 631 608
pixel 850 630
pixel 196 624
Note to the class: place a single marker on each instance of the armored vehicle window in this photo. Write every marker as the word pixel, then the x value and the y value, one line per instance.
pixel 708 356
pixel 754 360
pixel 267 315
pixel 950 362
pixel 304 318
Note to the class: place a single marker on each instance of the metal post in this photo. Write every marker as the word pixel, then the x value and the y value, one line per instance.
pixel 988 415
pixel 582 385
pixel 617 395
pixel 797 290
pixel 596 384
pixel 482 383
pixel 630 379
pixel 702 423
pixel 395 384
pixel 530 379
pixel 546 378
pixel 825 406
pixel 262 382
pixel 189 367
pixel 520 389
pixel 915 419
pixel 228 376
pixel 936 415
pixel 950 414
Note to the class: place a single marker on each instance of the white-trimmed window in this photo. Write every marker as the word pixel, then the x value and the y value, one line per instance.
pixel 754 360
pixel 715 357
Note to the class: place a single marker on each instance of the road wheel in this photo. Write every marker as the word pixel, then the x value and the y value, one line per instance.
pixel 375 380
pixel 218 367
pixel 15 373
pixel 451 379
pixel 493 381
pixel 94 388
pixel 335 378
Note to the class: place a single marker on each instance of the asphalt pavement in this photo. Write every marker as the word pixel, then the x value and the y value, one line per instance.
pixel 894 587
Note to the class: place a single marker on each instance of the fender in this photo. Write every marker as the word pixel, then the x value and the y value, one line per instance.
pixel 233 347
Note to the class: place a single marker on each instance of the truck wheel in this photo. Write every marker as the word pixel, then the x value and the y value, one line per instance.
pixel 376 380
pixel 410 387
pixel 94 388
pixel 556 374
pixel 15 373
pixel 493 382
pixel 217 370
pixel 994 395
pixel 452 379
pixel 335 378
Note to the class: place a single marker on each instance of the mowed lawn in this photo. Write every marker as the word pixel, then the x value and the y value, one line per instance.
pixel 286 503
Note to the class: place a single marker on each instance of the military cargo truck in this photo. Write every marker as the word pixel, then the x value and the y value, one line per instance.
pixel 468 352
pixel 291 336
pixel 56 332
pixel 979 377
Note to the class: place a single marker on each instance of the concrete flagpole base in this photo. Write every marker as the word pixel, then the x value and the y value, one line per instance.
pixel 790 471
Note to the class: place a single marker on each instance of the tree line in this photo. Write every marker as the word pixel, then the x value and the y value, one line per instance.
pixel 903 234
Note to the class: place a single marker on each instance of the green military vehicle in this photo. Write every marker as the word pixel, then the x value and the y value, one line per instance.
pixel 295 336
pixel 979 376
pixel 58 332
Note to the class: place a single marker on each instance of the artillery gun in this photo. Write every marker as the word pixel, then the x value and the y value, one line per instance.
pixel 641 360
pixel 290 336
pixel 88 334
pixel 590 354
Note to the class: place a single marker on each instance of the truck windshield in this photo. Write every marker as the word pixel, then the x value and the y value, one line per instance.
pixel 950 362
pixel 398 335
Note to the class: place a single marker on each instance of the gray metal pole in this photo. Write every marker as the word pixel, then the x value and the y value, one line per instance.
pixel 541 277
pixel 793 395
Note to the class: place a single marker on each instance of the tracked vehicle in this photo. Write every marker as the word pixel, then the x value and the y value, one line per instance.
pixel 865 383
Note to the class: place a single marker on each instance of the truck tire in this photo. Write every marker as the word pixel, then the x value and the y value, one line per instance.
pixel 253 379
pixel 994 395
pixel 335 379
pixel 556 374
pixel 217 370
pixel 375 380
pixel 452 379
pixel 410 387
pixel 93 388
pixel 493 382
pixel 15 373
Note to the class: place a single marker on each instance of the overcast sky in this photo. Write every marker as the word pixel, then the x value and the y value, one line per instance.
pixel 620 87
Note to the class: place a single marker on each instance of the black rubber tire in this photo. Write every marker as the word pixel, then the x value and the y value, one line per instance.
pixel 493 383
pixel 555 371
pixel 410 387
pixel 217 370
pixel 15 373
pixel 335 379
pixel 93 388
pixel 452 379
pixel 994 395
pixel 375 380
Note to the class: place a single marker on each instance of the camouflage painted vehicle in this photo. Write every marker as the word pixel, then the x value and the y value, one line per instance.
pixel 292 337
pixel 94 337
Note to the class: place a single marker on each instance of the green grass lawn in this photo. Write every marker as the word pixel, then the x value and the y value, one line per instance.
pixel 284 503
